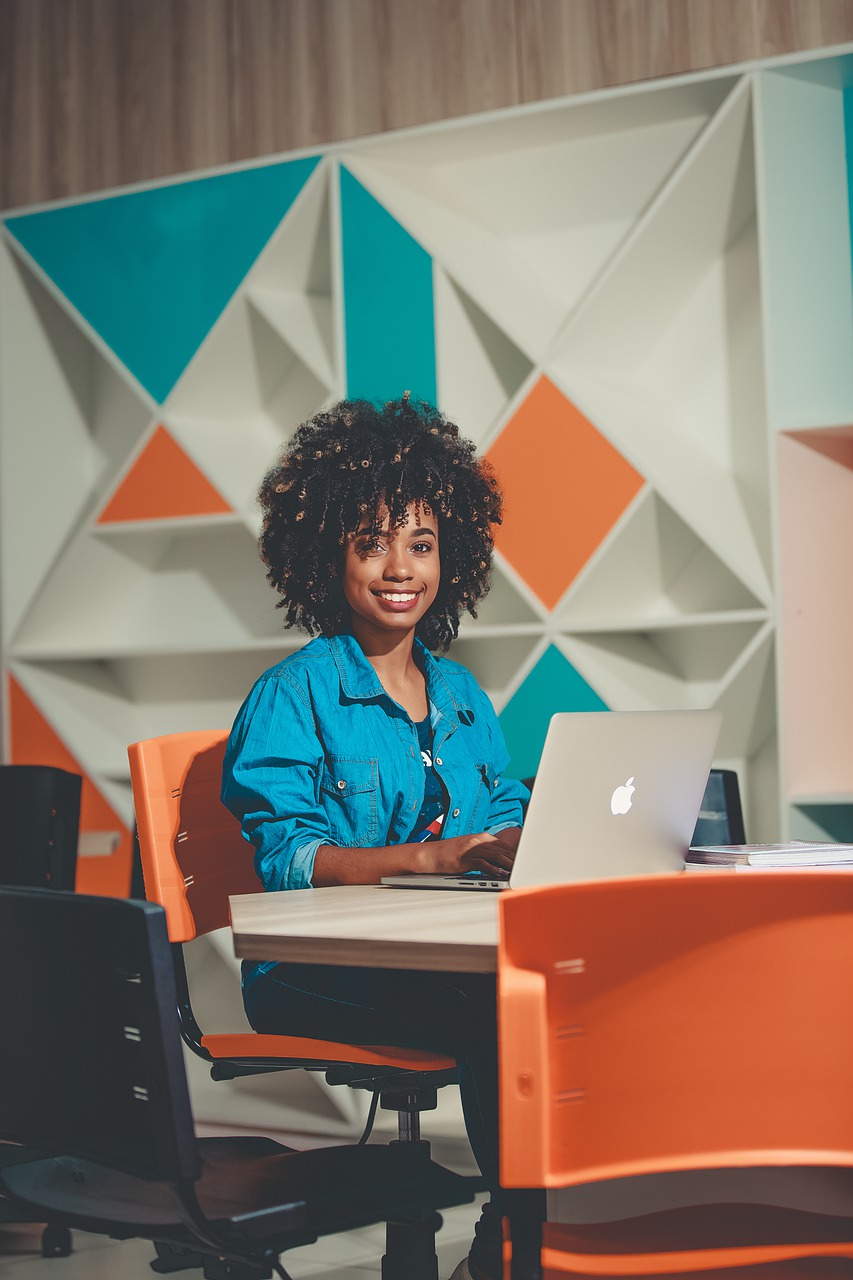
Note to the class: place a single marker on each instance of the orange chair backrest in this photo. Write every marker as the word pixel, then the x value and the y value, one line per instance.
pixel 192 850
pixel 659 1023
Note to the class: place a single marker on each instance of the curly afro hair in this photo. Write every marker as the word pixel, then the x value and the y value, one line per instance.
pixel 353 463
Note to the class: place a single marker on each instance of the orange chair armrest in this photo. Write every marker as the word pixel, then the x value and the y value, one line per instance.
pixel 254 1045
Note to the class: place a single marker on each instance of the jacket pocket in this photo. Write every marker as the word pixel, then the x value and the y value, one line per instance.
pixel 348 793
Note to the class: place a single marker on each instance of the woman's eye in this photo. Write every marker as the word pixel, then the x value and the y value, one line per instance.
pixel 422 546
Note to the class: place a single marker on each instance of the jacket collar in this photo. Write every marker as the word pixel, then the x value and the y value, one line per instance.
pixel 360 682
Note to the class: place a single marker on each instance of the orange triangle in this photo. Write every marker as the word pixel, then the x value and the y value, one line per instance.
pixel 34 741
pixel 163 484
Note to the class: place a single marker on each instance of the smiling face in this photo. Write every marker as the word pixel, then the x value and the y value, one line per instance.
pixel 390 577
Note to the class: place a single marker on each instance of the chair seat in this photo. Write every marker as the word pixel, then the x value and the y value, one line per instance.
pixel 699 1238
pixel 322 1053
pixel 253 1184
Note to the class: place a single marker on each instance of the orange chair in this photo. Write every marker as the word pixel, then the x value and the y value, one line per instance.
pixel 193 857
pixel 660 1026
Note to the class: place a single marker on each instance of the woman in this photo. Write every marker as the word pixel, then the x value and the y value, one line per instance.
pixel 364 755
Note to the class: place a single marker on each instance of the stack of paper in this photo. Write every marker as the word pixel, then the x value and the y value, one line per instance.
pixel 794 853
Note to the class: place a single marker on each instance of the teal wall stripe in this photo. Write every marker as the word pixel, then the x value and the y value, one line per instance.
pixel 389 306
pixel 553 685
pixel 152 270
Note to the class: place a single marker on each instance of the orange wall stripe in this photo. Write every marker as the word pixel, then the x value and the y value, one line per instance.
pixel 163 483
pixel 34 741
pixel 565 487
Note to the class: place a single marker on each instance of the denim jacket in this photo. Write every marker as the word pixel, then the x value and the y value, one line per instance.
pixel 321 755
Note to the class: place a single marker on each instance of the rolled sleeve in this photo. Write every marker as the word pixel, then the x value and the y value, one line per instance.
pixel 270 782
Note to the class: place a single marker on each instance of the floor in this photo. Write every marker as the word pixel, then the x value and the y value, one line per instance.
pixel 353 1256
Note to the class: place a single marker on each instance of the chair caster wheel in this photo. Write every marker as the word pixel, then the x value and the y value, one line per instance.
pixel 55 1242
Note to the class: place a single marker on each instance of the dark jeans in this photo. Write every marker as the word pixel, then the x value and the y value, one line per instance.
pixel 452 1013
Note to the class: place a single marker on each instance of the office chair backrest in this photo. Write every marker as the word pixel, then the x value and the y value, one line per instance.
pixel 39 825
pixel 720 818
pixel 671 1022
pixel 92 1063
pixel 192 850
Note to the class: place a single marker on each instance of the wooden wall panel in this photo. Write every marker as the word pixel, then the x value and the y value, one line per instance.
pixel 96 93
pixel 572 46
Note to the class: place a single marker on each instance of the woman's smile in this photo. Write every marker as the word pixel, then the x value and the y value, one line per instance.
pixel 390 576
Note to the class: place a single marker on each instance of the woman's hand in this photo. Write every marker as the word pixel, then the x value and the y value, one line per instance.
pixel 492 854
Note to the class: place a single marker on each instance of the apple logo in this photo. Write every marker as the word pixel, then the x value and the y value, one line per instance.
pixel 620 801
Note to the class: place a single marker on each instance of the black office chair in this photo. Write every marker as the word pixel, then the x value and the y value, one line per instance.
pixel 720 818
pixel 39 825
pixel 111 1113
pixel 39 829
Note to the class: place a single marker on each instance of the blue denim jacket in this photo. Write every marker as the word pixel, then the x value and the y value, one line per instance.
pixel 321 755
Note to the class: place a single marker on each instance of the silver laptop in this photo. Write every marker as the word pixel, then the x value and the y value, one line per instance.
pixel 617 794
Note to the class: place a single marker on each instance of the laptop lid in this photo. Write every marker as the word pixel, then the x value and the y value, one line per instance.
pixel 617 793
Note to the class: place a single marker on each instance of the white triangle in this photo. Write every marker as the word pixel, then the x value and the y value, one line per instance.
pixel 705 494
pixel 184 588
pixel 479 369
pixel 667 667
pixel 652 568
pixel 304 321
pixel 487 268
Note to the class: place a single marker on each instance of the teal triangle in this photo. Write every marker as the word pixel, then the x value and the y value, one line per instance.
pixel 553 685
pixel 389 315
pixel 152 270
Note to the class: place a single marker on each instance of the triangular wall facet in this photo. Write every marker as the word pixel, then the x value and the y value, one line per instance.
pixel 152 270
pixel 390 331
pixel 163 484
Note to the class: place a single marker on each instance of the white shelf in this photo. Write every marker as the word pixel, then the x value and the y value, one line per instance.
pixel 805 224
pixel 675 257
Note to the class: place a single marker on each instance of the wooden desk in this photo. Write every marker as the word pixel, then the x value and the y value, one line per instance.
pixel 370 925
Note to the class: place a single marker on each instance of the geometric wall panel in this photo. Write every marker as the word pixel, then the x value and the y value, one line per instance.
pixel 34 741
pixel 163 484
pixel 553 685
pixel 566 486
pixel 621 297
pixel 387 280
pixel 151 270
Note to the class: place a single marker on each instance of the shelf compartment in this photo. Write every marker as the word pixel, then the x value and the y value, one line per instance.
pixel 62 402
pixel 491 200
pixel 102 705
pixel 183 587
pixel 815 821
pixel 479 369
pixel 291 285
pixel 509 601
pixel 242 397
pixel 495 659
pixel 815 471
pixel 665 355
pixel 665 668
pixel 805 218
pixel 652 568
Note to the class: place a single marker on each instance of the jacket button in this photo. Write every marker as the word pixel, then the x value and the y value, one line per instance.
pixel 455 813
pixel 438 760
pixel 342 785
pixel 495 783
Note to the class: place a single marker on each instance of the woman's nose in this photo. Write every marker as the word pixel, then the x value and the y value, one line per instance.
pixel 397 566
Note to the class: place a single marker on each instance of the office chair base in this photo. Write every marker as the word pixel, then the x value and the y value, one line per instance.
pixel 55 1241
pixel 410 1248
pixel 171 1257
